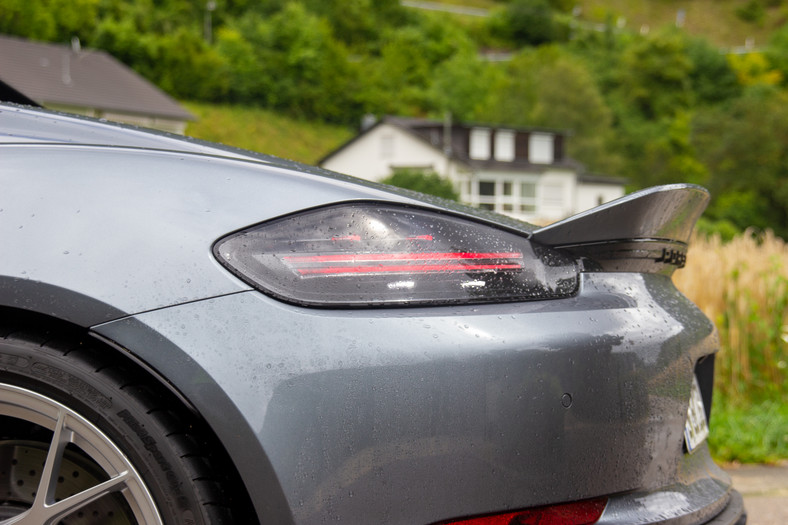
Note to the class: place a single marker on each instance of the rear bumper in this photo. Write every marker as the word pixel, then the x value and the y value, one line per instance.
pixel 702 496
pixel 734 513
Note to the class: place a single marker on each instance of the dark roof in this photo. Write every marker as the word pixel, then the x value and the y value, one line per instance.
pixel 59 75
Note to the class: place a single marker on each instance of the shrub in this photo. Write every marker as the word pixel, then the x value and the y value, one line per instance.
pixel 425 181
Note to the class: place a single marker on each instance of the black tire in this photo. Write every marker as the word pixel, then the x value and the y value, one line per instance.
pixel 120 430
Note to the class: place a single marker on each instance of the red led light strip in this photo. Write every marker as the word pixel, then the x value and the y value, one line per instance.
pixel 364 257
pixel 355 237
pixel 408 263
pixel 424 268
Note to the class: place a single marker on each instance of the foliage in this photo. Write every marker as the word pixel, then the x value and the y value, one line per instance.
pixel 289 61
pixel 549 87
pixel 749 304
pixel 753 12
pixel 422 181
pixel 777 51
pixel 742 285
pixel 745 146
pixel 264 131
pixel 655 76
pixel 712 79
pixel 53 20
pixel 755 433
pixel 358 22
pixel 463 85
pixel 754 69
pixel 526 22
pixel 397 80
pixel 722 228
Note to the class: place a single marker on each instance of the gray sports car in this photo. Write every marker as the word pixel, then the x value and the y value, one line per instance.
pixel 193 334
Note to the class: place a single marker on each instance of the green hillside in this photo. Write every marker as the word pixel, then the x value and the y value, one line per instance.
pixel 265 131
pixel 727 23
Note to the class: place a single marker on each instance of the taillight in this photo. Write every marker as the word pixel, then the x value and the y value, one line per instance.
pixel 578 513
pixel 365 255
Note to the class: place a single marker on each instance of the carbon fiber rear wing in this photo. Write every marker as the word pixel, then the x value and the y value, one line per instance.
pixel 647 231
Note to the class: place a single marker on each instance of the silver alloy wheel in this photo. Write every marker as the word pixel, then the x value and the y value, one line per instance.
pixel 69 429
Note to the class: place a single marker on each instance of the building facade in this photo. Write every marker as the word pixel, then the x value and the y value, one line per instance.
pixel 523 173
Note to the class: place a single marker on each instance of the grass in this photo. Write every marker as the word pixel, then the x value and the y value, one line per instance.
pixel 757 433
pixel 479 4
pixel 265 131
pixel 717 20
pixel 742 286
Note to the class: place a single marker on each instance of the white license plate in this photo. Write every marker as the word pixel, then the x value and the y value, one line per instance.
pixel 696 428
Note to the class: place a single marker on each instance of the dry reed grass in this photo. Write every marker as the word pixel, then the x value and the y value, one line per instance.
pixel 742 285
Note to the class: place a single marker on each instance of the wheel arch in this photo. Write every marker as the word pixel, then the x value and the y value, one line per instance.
pixel 47 327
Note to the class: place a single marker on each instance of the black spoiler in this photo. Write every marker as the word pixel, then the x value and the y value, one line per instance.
pixel 645 231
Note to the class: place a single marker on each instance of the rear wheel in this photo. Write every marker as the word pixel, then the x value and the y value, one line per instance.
pixel 85 441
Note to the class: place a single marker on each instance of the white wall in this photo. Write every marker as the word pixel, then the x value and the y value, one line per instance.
pixel 590 195
pixel 374 154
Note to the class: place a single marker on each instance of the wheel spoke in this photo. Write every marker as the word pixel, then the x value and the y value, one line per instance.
pixel 46 486
pixel 72 503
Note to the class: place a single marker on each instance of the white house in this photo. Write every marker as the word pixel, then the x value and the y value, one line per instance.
pixel 519 172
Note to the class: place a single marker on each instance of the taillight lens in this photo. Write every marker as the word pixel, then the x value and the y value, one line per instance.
pixel 365 255
pixel 578 513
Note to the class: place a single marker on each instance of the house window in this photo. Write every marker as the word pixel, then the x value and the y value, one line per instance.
pixel 487 193
pixel 505 194
pixel 527 197
pixel 486 188
pixel 541 148
pixel 504 145
pixel 480 144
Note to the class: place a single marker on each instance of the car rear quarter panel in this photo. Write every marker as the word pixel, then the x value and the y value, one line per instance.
pixel 418 415
pixel 93 233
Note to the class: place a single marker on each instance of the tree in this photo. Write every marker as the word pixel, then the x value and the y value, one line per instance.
pixel 49 20
pixel 754 69
pixel 526 22
pixel 289 61
pixel 548 87
pixel 463 85
pixel 712 79
pixel 654 78
pixel 777 50
pixel 745 147
pixel 357 23
pixel 398 75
